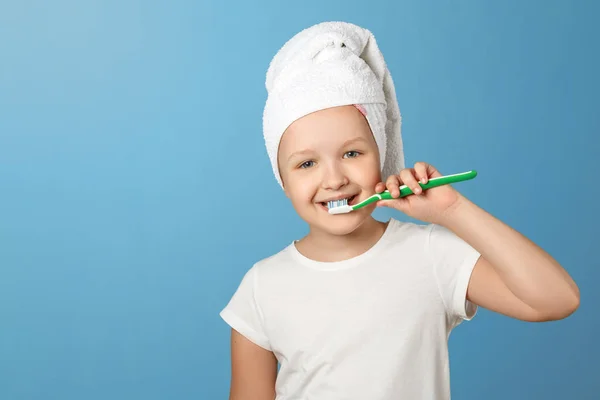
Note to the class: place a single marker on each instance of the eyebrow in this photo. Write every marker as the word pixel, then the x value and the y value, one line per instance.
pixel 346 143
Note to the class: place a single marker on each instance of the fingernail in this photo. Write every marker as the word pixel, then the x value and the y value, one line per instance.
pixel 424 180
pixel 417 190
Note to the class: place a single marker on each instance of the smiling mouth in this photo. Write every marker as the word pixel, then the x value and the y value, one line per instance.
pixel 350 202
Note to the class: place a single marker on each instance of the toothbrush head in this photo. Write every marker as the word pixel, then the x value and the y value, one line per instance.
pixel 338 206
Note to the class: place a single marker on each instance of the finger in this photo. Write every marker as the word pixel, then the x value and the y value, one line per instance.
pixel 421 171
pixel 397 204
pixel 432 172
pixel 380 187
pixel 408 177
pixel 393 185
pixel 385 203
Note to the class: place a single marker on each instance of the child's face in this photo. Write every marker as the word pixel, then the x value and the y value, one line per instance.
pixel 328 155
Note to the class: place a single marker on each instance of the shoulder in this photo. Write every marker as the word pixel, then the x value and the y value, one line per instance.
pixel 253 279
pixel 272 264
pixel 409 233
pixel 434 242
pixel 428 234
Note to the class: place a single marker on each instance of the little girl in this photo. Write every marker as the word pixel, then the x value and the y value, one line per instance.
pixel 360 309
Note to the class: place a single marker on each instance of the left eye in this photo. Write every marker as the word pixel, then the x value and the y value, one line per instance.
pixel 352 154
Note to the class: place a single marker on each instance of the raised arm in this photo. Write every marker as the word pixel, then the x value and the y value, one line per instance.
pixel 253 370
pixel 513 276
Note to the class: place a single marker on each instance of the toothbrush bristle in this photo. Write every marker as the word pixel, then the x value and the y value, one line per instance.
pixel 337 203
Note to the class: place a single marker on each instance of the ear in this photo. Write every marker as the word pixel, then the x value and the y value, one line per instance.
pixel 281 178
pixel 284 189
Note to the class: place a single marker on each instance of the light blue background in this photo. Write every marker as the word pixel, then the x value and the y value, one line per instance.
pixel 133 180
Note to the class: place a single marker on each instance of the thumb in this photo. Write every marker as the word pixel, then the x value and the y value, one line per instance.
pixel 400 204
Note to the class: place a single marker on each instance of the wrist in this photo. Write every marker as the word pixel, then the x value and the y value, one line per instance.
pixel 455 213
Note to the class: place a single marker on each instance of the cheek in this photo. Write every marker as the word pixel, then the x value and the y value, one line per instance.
pixel 301 188
pixel 368 172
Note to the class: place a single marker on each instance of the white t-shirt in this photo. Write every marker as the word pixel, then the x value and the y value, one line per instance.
pixel 374 327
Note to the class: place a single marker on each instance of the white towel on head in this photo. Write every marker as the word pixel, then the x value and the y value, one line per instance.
pixel 328 65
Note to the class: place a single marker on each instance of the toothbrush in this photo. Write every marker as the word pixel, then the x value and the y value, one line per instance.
pixel 342 207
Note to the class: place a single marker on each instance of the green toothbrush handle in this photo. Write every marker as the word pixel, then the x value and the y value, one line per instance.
pixel 433 182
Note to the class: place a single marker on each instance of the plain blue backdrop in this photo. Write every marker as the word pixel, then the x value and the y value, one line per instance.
pixel 136 190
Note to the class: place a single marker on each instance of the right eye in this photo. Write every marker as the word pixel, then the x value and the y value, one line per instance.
pixel 306 164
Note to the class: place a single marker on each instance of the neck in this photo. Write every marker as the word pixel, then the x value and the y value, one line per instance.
pixel 322 246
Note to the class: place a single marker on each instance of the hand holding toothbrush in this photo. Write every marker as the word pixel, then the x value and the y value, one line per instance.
pixel 427 208
pixel 431 205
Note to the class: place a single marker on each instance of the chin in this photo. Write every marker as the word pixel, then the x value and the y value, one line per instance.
pixel 340 224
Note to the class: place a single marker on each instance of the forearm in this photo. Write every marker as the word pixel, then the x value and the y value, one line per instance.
pixel 528 271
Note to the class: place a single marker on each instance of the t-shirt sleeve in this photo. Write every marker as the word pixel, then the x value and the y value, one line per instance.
pixel 453 261
pixel 243 313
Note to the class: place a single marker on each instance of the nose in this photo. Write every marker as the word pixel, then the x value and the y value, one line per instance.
pixel 334 177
